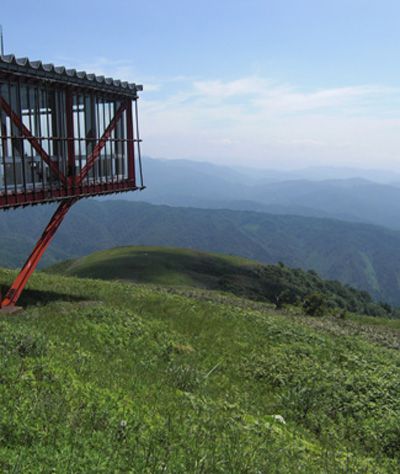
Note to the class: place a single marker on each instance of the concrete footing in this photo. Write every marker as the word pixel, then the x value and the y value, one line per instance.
pixel 10 310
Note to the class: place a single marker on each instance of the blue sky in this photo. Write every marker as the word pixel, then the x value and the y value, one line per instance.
pixel 262 83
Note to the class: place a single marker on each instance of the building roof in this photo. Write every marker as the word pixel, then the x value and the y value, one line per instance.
pixel 39 70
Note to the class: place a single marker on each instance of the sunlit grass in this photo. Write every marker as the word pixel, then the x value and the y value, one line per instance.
pixel 112 377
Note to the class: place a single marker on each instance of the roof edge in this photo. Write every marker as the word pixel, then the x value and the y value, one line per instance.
pixel 49 71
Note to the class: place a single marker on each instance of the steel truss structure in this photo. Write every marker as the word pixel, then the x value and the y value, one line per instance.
pixel 64 135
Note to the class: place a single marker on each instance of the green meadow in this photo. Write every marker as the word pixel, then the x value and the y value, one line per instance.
pixel 111 376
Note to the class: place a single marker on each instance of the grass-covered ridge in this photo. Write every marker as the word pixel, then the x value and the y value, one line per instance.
pixel 116 377
pixel 182 267
pixel 158 265
pixel 364 256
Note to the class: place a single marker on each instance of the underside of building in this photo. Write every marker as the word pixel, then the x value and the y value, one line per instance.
pixel 64 135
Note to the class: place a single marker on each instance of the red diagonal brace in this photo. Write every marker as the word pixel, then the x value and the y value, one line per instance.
pixel 18 286
pixel 100 145
pixel 32 140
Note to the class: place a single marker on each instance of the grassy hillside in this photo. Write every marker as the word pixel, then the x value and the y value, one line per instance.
pixel 364 256
pixel 158 265
pixel 100 377
pixel 168 266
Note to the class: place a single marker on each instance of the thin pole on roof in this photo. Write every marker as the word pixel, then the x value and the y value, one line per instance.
pixel 1 41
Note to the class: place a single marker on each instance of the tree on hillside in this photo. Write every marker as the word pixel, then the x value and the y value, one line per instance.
pixel 314 304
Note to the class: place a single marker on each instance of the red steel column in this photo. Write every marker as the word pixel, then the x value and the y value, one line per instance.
pixel 18 286
pixel 91 159
pixel 130 143
pixel 32 140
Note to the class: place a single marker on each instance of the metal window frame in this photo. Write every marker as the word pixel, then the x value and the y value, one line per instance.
pixel 53 130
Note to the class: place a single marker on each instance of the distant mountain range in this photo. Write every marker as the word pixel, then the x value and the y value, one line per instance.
pixel 364 256
pixel 370 196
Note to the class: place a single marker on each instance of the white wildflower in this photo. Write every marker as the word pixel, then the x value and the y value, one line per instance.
pixel 279 418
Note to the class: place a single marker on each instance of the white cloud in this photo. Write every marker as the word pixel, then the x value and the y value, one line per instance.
pixel 244 87
pixel 255 120
pixel 274 124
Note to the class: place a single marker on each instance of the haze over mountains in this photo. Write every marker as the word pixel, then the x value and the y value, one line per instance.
pixel 315 224
pixel 371 196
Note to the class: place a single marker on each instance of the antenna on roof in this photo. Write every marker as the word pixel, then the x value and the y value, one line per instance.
pixel 1 41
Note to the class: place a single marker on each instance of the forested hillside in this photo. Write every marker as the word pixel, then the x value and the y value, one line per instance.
pixel 364 256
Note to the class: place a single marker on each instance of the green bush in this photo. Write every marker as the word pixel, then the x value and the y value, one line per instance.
pixel 314 304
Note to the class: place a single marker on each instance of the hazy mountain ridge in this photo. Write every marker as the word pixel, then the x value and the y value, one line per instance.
pixel 364 256
pixel 320 192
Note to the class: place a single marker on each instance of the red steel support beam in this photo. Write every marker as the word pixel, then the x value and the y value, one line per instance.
pixel 32 140
pixel 18 286
pixel 130 144
pixel 101 143
pixel 39 197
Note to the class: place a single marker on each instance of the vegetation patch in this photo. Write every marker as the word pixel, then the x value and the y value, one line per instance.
pixel 111 377
pixel 277 284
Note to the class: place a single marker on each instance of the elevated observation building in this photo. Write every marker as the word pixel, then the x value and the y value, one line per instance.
pixel 64 135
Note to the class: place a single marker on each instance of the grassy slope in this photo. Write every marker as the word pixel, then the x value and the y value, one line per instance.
pixel 158 265
pixel 113 377
pixel 364 256
pixel 242 277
